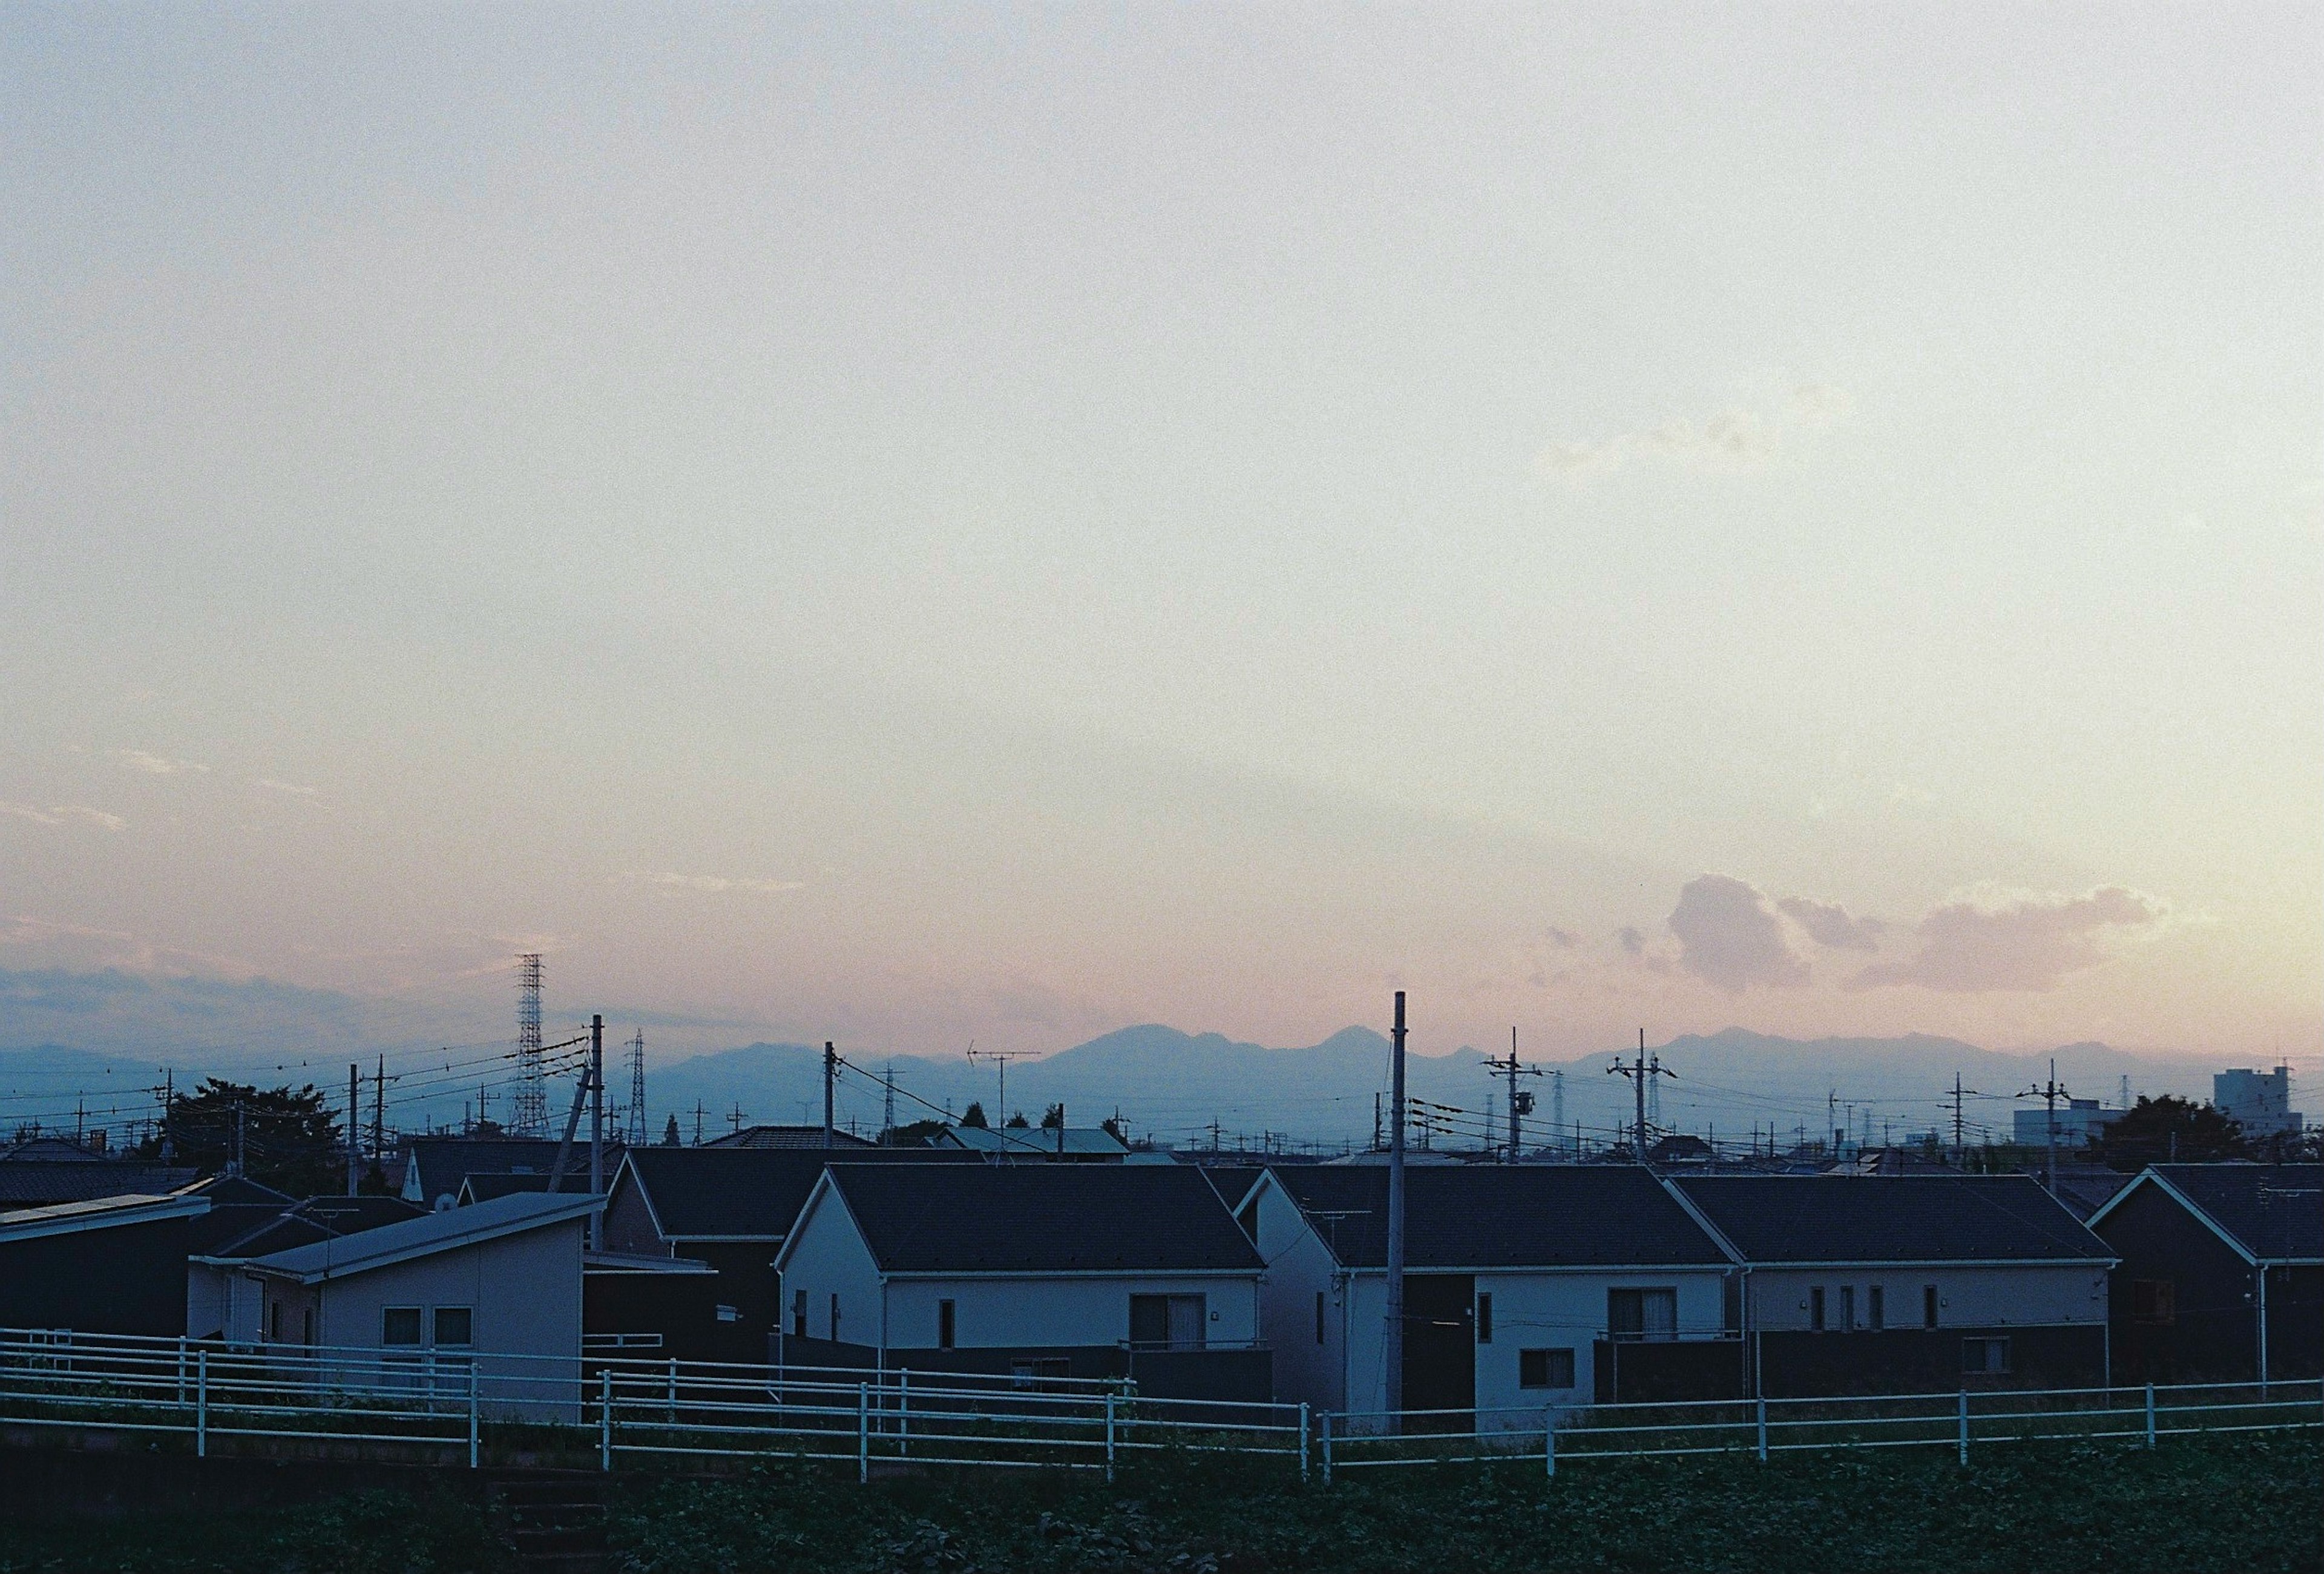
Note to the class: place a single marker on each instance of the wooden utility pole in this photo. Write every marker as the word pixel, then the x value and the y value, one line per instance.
pixel 1393 1352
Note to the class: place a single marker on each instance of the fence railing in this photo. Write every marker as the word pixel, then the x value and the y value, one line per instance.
pixel 442 1405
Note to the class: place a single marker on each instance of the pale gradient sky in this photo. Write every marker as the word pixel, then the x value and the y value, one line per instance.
pixel 914 525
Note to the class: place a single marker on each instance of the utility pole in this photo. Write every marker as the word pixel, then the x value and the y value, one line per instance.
pixel 1830 1116
pixel 830 1073
pixel 378 1114
pixel 1557 1108
pixel 1394 1349
pixel 1520 1103
pixel 598 1126
pixel 1640 1075
pixel 238 1113
pixel 168 1100
pixel 354 1121
pixel 2049 1093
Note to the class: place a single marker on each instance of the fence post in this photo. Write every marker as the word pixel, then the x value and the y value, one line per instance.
pixel 181 1369
pixel 1303 1439
pixel 2150 1415
pixel 673 1390
pixel 863 1431
pixel 606 1419
pixel 1327 1448
pixel 474 1431
pixel 904 1413
pixel 1549 1447
pixel 1763 1428
pixel 1964 1426
pixel 201 1404
pixel 1109 1436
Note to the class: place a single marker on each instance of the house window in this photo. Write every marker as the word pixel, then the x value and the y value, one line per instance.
pixel 1485 1317
pixel 798 1314
pixel 1847 1306
pixel 1642 1314
pixel 1037 1371
pixel 456 1325
pixel 2154 1300
pixel 1928 1306
pixel 947 1324
pixel 1248 1219
pixel 1815 1309
pixel 1876 1307
pixel 399 1325
pixel 274 1320
pixel 835 1317
pixel 1318 1317
pixel 1175 1322
pixel 725 1313
pixel 1545 1368
pixel 1985 1355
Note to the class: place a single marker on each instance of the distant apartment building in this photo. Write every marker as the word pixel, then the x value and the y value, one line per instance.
pixel 2258 1101
pixel 2080 1121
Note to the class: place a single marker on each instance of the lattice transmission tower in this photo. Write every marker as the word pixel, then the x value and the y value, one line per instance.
pixel 530 1116
pixel 636 1134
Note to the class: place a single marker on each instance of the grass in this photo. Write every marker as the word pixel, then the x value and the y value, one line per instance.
pixel 2251 1505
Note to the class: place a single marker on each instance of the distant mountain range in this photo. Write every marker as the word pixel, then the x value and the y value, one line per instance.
pixel 1174 1085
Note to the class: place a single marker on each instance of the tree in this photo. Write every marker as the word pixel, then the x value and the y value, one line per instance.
pixel 1016 1121
pixel 915 1134
pixel 1113 1127
pixel 1054 1117
pixel 2159 1130
pixel 285 1139
pixel 974 1117
pixel 669 1134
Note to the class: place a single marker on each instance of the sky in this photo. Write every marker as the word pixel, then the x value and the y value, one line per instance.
pixel 930 524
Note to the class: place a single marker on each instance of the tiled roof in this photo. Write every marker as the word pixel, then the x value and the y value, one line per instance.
pixel 2275 1210
pixel 1502 1216
pixel 751 1193
pixel 318 1219
pixel 1034 1142
pixel 426 1235
pixel 787 1137
pixel 445 1162
pixel 39 1182
pixel 1031 1219
pixel 1892 1218
pixel 98 1213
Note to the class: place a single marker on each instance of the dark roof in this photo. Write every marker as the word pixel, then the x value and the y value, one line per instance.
pixel 483 1188
pixel 1891 1219
pixel 1036 1218
pixel 238 1190
pixel 41 1182
pixel 445 1162
pixel 750 1193
pixel 787 1137
pixel 1501 1216
pixel 2276 1211
pixel 2085 1190
pixel 318 1219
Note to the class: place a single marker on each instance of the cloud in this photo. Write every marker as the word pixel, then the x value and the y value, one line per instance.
pixel 156 764
pixel 1564 940
pixel 717 882
pixel 1733 440
pixel 271 785
pixel 1632 943
pixel 1831 925
pixel 1994 941
pixel 1729 936
pixel 64 814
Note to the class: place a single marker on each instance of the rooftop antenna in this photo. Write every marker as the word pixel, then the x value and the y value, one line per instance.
pixel 1000 1057
pixel 529 1116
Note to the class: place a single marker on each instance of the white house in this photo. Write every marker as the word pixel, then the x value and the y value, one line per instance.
pixel 1037 1270
pixel 494 1288
pixel 1911 1284
pixel 1529 1289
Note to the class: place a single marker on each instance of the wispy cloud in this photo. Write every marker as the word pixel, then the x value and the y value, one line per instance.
pixel 271 785
pixel 1988 941
pixel 64 814
pixel 1832 926
pixel 674 882
pixel 156 765
pixel 1734 439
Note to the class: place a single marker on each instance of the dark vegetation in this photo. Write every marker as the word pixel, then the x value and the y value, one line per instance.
pixel 287 1138
pixel 2251 1506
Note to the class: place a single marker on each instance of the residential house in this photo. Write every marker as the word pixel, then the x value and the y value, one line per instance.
pixel 1033 1270
pixel 729 1207
pixel 1071 1143
pixel 789 1137
pixel 111 1266
pixel 2221 1275
pixel 248 1221
pixel 491 1290
pixel 44 1170
pixel 1909 1283
pixel 435 1166
pixel 1529 1290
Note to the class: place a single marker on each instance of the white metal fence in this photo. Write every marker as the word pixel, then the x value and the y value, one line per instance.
pixel 271 1400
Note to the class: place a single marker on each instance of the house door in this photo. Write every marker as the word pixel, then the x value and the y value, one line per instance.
pixel 1440 1349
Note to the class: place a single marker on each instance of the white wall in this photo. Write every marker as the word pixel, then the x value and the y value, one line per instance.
pixel 825 1255
pixel 1967 1297
pixel 1298 1269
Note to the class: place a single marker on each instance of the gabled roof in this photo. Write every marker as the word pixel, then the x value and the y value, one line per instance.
pixel 1891 1219
pixel 1085 1142
pixel 41 1182
pixel 1502 1216
pixel 485 1187
pixel 424 1235
pixel 1041 1218
pixel 318 1219
pixel 444 1161
pixel 2270 1213
pixel 746 1194
pixel 787 1137
pixel 237 1192
pixel 100 1213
